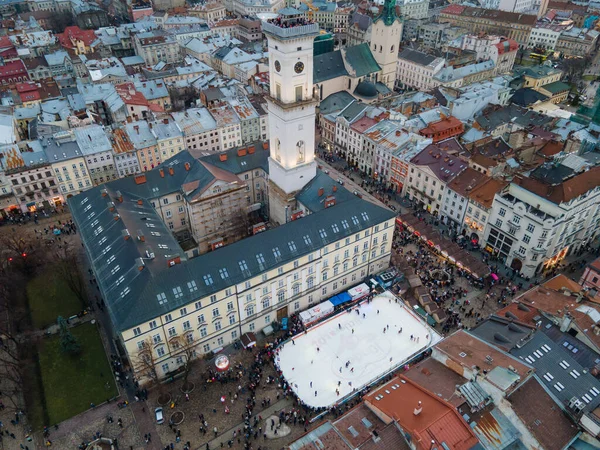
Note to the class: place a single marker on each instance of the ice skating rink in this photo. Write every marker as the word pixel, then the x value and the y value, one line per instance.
pixel 321 355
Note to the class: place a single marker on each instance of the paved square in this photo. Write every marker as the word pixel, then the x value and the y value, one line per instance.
pixel 320 356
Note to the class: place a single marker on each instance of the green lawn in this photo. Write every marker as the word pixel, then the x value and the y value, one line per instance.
pixel 71 384
pixel 49 297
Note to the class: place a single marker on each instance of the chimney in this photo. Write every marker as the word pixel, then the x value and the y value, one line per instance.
pixel 265 145
pixel 171 171
pixel 140 236
pixel 104 192
pixel 242 152
pixel 251 149
pixel 150 125
pixel 173 261
pixel 161 172
pixel 125 234
pixel 137 129
pixel 116 217
pixel 418 409
pixel 119 197
pixel 187 166
pixel 140 263
pixel 398 132
pixel 111 206
pixel 335 188
pixel 140 179
pixel 321 191
pixel 223 157
pixel 140 202
pixel 166 121
pixel 329 201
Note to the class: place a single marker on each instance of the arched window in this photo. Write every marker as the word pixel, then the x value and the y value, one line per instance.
pixel 300 152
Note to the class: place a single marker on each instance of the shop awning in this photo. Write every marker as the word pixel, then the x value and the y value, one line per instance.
pixel 340 298
pixel 30 204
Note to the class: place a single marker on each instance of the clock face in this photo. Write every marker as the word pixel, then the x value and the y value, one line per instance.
pixel 277 66
pixel 299 67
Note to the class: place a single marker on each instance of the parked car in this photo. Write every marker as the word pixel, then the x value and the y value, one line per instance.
pixel 158 413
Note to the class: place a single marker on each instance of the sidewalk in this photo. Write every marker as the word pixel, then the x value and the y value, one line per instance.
pixel 223 437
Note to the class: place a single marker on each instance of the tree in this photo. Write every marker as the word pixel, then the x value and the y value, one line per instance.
pixel 68 342
pixel 22 255
pixel 59 21
pixel 67 267
pixel 185 347
pixel 144 363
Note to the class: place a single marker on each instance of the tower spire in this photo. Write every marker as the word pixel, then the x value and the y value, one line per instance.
pixel 388 13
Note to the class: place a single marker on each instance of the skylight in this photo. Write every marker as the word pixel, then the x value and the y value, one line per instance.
pixel 292 246
pixel 345 224
pixel 177 292
pixel 307 240
pixel 355 220
pixel 192 286
pixel 335 228
pixel 322 233
pixel 364 216
pixel 260 258
pixel 207 279
pixel 243 265
pixel 276 252
pixel 223 273
pixel 162 298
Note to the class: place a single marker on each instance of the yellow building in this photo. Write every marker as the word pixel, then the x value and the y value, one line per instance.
pixel 160 301
pixel 68 163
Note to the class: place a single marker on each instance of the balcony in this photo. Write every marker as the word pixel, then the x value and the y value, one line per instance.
pixel 514 224
pixel 290 32
pixel 538 250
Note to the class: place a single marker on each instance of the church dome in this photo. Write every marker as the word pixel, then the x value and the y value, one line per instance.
pixel 366 89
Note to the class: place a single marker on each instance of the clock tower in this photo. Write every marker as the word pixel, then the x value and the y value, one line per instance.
pixel 291 109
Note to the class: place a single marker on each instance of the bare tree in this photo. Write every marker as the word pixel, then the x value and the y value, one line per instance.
pixel 145 364
pixel 23 254
pixel 185 346
pixel 67 267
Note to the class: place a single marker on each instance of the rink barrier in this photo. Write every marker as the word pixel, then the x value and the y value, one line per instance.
pixel 379 378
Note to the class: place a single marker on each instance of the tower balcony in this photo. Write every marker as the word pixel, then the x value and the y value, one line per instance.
pixel 289 29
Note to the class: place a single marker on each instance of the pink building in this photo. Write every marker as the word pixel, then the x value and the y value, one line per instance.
pixel 591 276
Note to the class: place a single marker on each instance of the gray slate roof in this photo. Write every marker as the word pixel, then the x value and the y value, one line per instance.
pixel 327 66
pixel 563 377
pixel 134 299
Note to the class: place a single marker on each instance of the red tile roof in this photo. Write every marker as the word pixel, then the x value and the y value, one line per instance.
pixel 76 33
pixel 437 421
pixel 454 9
pixel 506 46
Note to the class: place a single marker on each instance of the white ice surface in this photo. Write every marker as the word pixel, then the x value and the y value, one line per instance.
pixel 368 349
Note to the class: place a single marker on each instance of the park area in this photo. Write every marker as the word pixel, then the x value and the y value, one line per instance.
pixel 49 296
pixel 70 383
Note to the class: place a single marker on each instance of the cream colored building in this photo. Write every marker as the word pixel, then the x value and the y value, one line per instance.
pixel 158 299
pixel 68 163
pixel 169 138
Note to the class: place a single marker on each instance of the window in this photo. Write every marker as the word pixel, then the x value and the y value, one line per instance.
pixel 498 223
pixel 218 325
pixel 156 339
pixel 281 296
pixel 203 332
pixel 177 292
pixel 516 219
pixel 231 319
pixel 324 291
pixel 544 233
pixel 229 306
pixel 137 331
pixel 206 348
pixel 297 306
pixel 160 351
pixel 207 279
pixel 249 310
pixel 522 250
pixel 172 332
pixel 531 227
pixel 215 312
pixel 502 212
pixel 162 298
pixel 251 327
pixel 153 325
pixel 168 318
pixel 187 325
pixel 223 273
pixel 526 238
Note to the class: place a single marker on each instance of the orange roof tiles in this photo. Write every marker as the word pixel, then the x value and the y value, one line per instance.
pixel 437 421
pixel 466 351
pixel 567 190
pixel 485 192
pixel 122 144
pixel 74 33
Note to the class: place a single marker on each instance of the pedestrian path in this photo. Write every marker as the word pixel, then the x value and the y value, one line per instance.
pixel 223 437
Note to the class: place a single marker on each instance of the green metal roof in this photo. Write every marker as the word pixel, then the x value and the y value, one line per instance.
pixel 361 60
pixel 388 13
pixel 556 87
pixel 327 66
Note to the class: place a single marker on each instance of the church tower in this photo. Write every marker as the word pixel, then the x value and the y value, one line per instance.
pixel 291 109
pixel 386 33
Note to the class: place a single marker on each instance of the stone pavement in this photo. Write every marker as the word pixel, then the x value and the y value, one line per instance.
pixel 223 437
